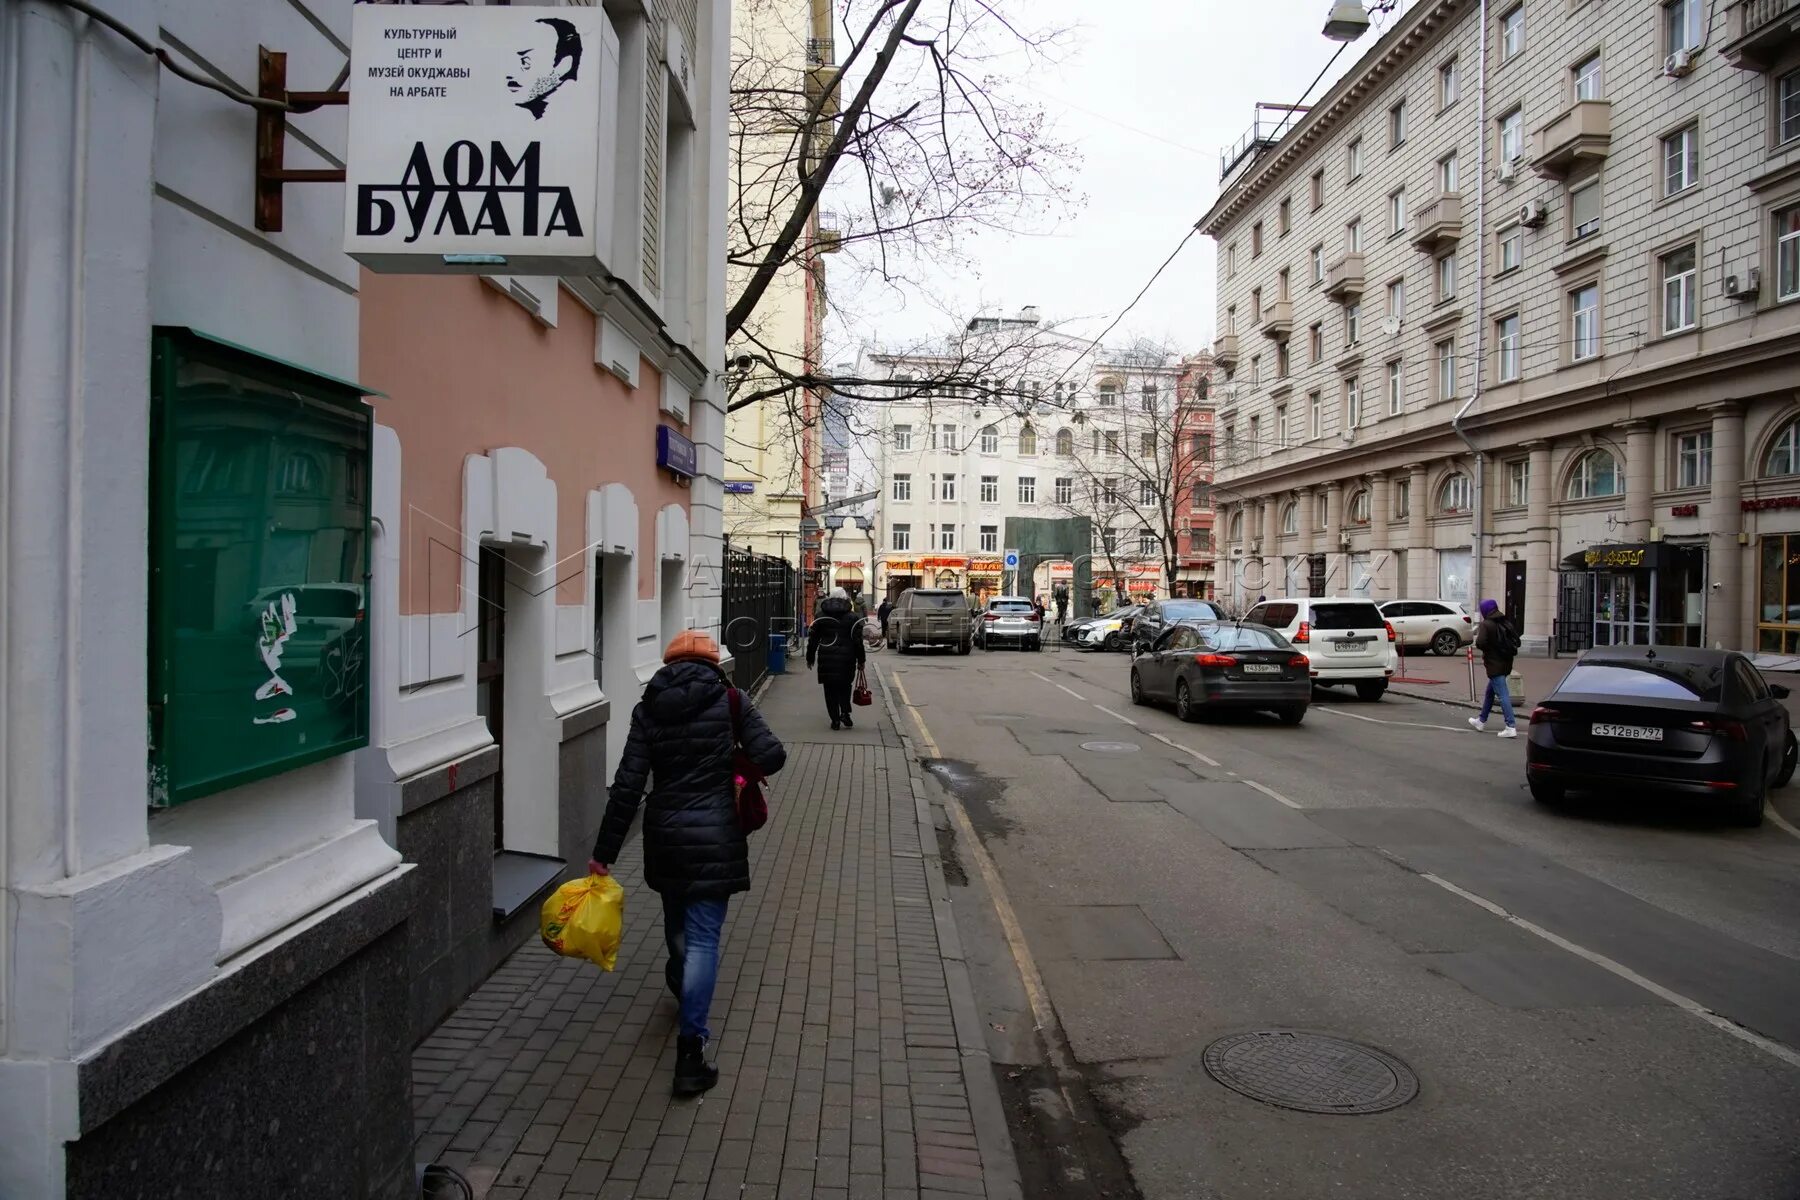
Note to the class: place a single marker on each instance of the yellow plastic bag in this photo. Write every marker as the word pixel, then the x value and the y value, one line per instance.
pixel 583 919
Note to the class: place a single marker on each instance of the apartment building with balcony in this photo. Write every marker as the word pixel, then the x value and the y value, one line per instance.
pixel 1510 312
pixel 1193 462
pixel 1015 419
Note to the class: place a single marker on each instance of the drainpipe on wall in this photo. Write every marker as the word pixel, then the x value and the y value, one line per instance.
pixel 1456 426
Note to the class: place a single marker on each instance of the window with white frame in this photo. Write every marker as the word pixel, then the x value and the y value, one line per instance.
pixel 1679 289
pixel 1396 298
pixel 990 539
pixel 1693 459
pixel 1111 442
pixel 1684 24
pixel 1353 158
pixel 1787 107
pixel 1681 160
pixel 1027 440
pixel 1256 306
pixel 901 536
pixel 1109 489
pixel 1587 77
pixel 1512 248
pixel 1518 482
pixel 1584 322
pixel 1316 415
pixel 1281 426
pixel 1353 236
pixel 1147 443
pixel 1352 324
pixel 1284 216
pixel 1446 277
pixel 1256 240
pixel 903 485
pixel 1316 342
pixel 1787 253
pixel 1109 392
pixel 1146 493
pixel 1256 442
pixel 1395 388
pixel 1318 264
pixel 1064 490
pixel 1397 212
pixel 1783 457
pixel 903 437
pixel 990 489
pixel 947 486
pixel 1402 498
pixel 1318 190
pixel 1065 443
pixel 946 537
pixel 1596 474
pixel 1455 494
pixel 1584 209
pixel 1028 489
pixel 1512 33
pixel 990 440
pixel 1446 369
pixel 1357 511
pixel 1148 542
pixel 1506 348
pixel 1447 174
pixel 1352 403
pixel 1231 261
pixel 943 437
pixel 1397 125
pixel 1290 518
pixel 1512 136
pixel 1449 84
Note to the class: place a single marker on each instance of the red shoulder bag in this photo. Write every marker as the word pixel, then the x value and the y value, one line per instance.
pixel 747 777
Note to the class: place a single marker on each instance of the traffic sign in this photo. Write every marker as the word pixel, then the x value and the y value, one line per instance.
pixel 1012 560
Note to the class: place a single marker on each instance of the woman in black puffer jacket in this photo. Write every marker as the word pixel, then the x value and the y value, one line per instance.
pixel 695 852
pixel 836 644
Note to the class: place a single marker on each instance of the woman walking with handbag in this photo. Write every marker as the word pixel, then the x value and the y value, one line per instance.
pixel 836 645
pixel 687 734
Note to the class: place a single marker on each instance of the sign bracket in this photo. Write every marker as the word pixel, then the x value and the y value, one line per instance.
pixel 271 137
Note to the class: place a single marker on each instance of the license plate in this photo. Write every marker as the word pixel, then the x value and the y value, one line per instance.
pixel 1261 669
pixel 1346 646
pixel 1636 733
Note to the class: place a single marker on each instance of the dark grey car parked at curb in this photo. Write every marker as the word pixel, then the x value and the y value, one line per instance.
pixel 1201 666
pixel 1159 615
pixel 932 617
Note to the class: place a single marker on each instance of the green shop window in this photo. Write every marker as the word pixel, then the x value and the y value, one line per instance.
pixel 259 566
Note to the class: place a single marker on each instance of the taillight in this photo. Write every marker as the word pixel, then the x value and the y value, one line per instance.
pixel 1299 660
pixel 1541 713
pixel 992 617
pixel 1731 731
pixel 1467 620
pixel 1215 660
pixel 1305 633
pixel 1390 629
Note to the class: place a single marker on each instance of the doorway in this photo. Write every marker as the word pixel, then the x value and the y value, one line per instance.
pixel 490 667
pixel 1514 596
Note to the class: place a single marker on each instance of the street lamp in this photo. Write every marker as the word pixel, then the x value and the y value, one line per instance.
pixel 1347 21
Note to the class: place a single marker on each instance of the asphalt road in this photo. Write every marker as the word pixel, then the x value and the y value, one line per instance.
pixel 1598 1002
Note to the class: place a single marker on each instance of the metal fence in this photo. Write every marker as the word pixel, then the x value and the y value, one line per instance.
pixel 758 600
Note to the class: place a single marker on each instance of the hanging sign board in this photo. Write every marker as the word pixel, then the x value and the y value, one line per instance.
pixel 475 140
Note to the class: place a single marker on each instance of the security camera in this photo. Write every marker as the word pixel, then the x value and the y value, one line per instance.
pixel 742 364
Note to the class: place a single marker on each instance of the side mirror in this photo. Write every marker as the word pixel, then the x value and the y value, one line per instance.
pixel 1780 691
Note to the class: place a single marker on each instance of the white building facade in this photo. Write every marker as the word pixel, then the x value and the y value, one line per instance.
pixel 1509 314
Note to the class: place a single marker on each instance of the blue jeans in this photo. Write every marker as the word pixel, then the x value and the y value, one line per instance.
pixel 691 928
pixel 1497 688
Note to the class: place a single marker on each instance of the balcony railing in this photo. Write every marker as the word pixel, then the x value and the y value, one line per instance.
pixel 1278 320
pixel 821 52
pixel 1438 223
pixel 1760 31
pixel 1344 277
pixel 1581 135
pixel 1225 353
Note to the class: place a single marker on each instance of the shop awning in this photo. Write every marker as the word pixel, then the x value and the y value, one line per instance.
pixel 849 574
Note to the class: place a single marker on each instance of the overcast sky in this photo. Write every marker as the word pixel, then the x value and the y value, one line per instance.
pixel 1151 91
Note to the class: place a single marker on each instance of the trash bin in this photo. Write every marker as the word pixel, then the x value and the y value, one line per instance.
pixel 778 654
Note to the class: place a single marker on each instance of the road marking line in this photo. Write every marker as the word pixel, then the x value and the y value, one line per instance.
pixel 1053 683
pixel 1781 821
pixel 1169 741
pixel 1271 793
pixel 1029 976
pixel 1693 1007
pixel 1337 712
pixel 1116 716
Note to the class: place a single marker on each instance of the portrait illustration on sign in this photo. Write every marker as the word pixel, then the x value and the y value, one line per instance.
pixel 550 58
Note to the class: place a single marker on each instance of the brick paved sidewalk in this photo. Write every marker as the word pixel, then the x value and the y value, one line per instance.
pixel 842 1074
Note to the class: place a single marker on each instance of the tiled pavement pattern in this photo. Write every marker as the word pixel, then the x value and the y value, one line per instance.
pixel 832 1021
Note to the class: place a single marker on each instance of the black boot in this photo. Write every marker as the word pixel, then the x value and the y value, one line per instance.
pixel 848 723
pixel 692 1075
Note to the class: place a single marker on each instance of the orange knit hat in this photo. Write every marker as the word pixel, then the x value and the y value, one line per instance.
pixel 692 645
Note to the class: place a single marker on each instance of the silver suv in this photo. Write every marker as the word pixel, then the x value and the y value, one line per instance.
pixel 1010 619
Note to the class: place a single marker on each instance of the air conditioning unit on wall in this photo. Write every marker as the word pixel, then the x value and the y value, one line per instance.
pixel 1508 168
pixel 1743 285
pixel 1678 64
pixel 1533 214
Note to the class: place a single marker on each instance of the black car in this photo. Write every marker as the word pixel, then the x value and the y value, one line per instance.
pixel 1202 665
pixel 1672 718
pixel 1159 615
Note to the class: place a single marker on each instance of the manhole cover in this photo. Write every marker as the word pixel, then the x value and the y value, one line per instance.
pixel 1111 747
pixel 1310 1072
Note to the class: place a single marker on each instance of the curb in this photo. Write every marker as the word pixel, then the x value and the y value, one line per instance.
pixel 993 1136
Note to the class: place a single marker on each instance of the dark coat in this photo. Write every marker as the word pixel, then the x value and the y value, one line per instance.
pixel 836 643
pixel 681 737
pixel 1494 638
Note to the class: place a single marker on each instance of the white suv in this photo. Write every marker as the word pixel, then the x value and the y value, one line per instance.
pixel 1343 637
pixel 1439 626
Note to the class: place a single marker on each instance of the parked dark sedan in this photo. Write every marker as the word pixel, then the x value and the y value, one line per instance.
pixel 1672 718
pixel 1159 615
pixel 1202 665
